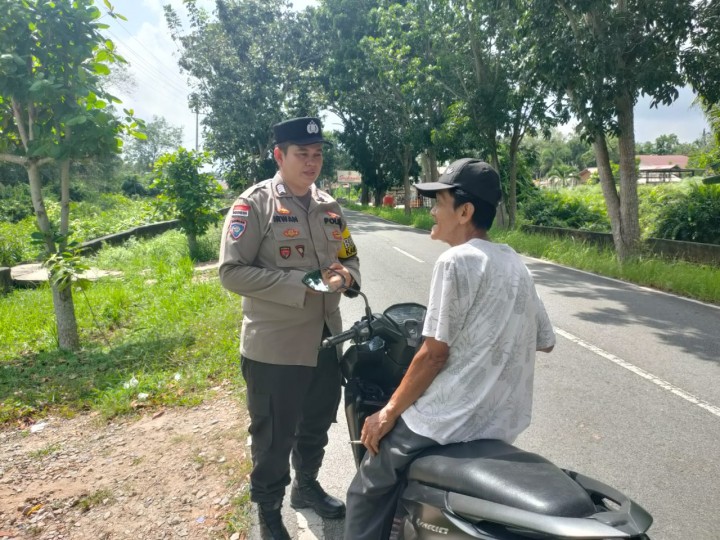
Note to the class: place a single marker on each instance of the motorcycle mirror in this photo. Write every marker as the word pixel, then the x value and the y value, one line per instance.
pixel 325 280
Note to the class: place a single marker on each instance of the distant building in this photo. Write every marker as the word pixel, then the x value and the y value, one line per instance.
pixel 655 169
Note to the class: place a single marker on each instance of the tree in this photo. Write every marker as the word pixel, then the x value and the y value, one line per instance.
pixel 53 109
pixel 461 60
pixel 160 137
pixel 600 55
pixel 254 66
pixel 187 193
pixel 701 59
pixel 349 79
pixel 407 103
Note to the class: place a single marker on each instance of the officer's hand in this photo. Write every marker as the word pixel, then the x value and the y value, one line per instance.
pixel 375 428
pixel 344 272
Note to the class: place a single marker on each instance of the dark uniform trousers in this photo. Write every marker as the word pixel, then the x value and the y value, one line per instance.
pixel 291 409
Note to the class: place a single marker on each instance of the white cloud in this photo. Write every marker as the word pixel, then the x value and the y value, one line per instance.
pixel 160 88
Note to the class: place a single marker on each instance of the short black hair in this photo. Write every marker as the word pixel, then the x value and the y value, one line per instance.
pixel 484 213
pixel 283 146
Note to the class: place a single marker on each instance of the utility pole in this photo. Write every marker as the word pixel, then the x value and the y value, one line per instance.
pixel 197 116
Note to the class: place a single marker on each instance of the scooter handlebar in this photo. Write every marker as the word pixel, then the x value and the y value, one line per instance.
pixel 347 335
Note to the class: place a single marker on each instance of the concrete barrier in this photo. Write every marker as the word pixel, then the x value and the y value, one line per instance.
pixel 93 246
pixel 5 279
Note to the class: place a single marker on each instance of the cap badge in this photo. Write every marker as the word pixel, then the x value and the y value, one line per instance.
pixel 313 128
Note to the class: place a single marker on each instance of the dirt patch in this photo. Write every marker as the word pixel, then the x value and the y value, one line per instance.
pixel 173 474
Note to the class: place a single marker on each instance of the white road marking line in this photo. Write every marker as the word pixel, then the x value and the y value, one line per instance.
pixel 408 255
pixel 712 409
pixel 306 525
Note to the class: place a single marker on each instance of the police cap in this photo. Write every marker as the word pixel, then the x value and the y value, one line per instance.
pixel 300 131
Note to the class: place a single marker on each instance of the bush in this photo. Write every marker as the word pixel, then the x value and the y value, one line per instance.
pixel 15 246
pixel 15 202
pixel 693 216
pixel 567 209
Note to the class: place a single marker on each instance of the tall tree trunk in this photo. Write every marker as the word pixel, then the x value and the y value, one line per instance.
pixel 428 161
pixel 364 194
pixel 512 180
pixel 64 307
pixel 192 244
pixel 501 218
pixel 406 163
pixel 64 202
pixel 379 194
pixel 63 304
pixel 629 205
pixel 41 216
pixel 607 183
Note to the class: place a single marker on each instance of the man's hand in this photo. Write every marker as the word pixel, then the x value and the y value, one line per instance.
pixel 346 276
pixel 375 428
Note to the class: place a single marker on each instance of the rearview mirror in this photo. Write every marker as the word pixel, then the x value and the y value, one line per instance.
pixel 325 280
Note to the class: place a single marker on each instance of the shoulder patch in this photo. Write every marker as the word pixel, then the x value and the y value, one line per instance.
pixel 237 228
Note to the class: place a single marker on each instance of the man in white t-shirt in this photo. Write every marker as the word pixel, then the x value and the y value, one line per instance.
pixel 472 378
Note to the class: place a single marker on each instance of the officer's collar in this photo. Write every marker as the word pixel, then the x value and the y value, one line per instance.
pixel 281 190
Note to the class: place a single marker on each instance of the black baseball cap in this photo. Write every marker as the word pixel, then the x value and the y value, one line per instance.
pixel 300 131
pixel 473 176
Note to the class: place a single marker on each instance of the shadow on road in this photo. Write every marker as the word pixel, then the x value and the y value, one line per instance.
pixel 698 335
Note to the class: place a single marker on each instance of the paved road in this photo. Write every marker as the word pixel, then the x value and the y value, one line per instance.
pixel 629 396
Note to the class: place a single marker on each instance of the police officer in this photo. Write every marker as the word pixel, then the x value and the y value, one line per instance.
pixel 276 231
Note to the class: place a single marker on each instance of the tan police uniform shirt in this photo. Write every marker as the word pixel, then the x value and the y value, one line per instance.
pixel 269 242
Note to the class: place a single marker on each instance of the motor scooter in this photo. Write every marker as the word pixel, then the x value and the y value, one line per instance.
pixel 485 489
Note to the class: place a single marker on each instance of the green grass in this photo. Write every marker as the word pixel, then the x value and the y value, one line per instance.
pixel 701 282
pixel 159 330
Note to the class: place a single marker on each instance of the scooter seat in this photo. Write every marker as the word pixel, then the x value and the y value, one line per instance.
pixel 501 473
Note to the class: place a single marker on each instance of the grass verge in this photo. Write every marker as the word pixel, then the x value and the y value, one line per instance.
pixel 159 335
pixel 697 281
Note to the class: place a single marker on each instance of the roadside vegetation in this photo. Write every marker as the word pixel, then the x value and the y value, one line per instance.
pixel 160 334
pixel 682 211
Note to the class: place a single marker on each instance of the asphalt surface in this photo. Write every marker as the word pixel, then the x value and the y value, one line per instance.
pixel 629 395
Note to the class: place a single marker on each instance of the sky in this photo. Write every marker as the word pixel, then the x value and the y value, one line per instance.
pixel 155 85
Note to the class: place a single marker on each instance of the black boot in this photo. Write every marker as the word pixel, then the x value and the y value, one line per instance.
pixel 271 525
pixel 307 493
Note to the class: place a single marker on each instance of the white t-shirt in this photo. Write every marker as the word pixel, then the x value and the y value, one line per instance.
pixel 484 305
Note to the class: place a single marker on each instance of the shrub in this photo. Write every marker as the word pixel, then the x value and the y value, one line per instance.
pixel 15 202
pixel 15 246
pixel 566 209
pixel 693 216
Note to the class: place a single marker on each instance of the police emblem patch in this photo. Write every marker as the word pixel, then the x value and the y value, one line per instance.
pixel 237 228
pixel 337 235
pixel 301 250
pixel 291 233
pixel 285 251
pixel 312 127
